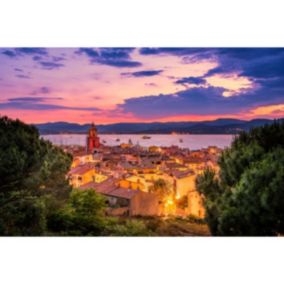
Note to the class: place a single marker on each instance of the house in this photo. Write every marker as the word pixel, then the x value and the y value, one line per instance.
pixel 131 183
pixel 126 202
pixel 133 202
pixel 196 164
pixel 155 149
pixel 195 205
pixel 181 181
pixel 82 174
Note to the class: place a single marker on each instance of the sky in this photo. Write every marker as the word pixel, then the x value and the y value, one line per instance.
pixel 109 85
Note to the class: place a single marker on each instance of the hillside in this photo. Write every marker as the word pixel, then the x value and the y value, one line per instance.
pixel 218 126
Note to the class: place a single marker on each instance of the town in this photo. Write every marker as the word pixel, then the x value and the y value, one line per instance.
pixel 141 181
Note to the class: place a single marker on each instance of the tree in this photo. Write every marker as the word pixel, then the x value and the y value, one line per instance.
pixel 247 198
pixel 161 188
pixel 32 175
pixel 82 215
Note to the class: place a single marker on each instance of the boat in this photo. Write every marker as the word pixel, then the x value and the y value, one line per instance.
pixel 117 140
pixel 180 140
pixel 146 137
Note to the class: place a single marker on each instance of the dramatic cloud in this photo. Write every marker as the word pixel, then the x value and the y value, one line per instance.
pixel 264 63
pixel 191 80
pixel 37 58
pixel 145 73
pixel 251 62
pixel 197 101
pixel 39 55
pixel 58 58
pixel 266 68
pixel 24 51
pixel 49 65
pixel 32 99
pixel 26 103
pixel 32 51
pixel 9 53
pixel 116 57
pixel 172 50
pixel 249 53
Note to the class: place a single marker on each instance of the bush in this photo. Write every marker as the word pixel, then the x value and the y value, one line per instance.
pixel 82 215
pixel 129 228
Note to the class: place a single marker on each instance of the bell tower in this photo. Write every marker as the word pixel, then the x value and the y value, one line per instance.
pixel 93 141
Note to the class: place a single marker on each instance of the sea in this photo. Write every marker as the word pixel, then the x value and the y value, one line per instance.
pixel 190 141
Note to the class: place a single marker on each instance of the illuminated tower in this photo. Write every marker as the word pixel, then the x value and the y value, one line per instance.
pixel 93 141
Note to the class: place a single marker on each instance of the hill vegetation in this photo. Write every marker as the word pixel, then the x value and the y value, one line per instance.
pixel 247 197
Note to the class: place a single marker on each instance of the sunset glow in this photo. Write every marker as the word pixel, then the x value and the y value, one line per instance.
pixel 110 85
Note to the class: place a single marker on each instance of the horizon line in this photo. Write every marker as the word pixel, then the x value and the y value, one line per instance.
pixel 162 122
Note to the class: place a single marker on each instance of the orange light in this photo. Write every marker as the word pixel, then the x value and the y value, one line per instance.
pixel 170 202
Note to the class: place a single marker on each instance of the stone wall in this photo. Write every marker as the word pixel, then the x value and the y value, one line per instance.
pixel 145 204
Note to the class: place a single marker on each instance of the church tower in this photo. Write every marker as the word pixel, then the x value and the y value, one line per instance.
pixel 93 141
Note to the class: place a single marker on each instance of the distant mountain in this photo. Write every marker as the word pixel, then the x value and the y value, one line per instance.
pixel 61 127
pixel 218 126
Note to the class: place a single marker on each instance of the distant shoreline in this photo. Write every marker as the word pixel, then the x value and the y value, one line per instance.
pixel 215 127
pixel 127 133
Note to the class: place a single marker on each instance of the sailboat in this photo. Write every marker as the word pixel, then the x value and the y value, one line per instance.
pixel 146 137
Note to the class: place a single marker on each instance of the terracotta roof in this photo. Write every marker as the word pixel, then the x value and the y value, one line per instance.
pixel 181 174
pixel 106 186
pixel 81 169
pixel 196 160
pixel 101 187
pixel 174 165
pixel 109 187
pixel 88 185
pixel 123 193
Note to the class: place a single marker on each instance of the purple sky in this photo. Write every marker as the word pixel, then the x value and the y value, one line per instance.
pixel 141 84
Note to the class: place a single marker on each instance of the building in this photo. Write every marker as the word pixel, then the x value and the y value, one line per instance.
pixel 82 159
pixel 81 174
pixel 93 141
pixel 131 183
pixel 126 202
pixel 84 174
pixel 195 205
pixel 182 182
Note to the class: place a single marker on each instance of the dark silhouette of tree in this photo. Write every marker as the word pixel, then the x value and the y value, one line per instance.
pixel 247 197
pixel 32 179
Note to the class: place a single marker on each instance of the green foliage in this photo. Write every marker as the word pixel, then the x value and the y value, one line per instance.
pixel 82 215
pixel 32 171
pixel 23 217
pixel 161 188
pixel 248 196
pixel 129 228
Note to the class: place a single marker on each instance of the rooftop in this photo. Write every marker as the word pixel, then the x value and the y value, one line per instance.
pixel 81 169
